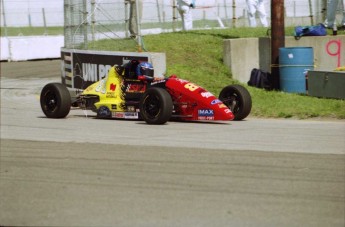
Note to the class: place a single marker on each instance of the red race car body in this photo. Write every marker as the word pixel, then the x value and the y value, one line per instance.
pixel 193 102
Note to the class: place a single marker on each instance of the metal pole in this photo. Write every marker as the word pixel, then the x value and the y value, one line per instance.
pixel 85 24
pixel 29 14
pixel 93 20
pixel 234 13
pixel 126 20
pixel 158 11
pixel 225 11
pixel 311 12
pixel 44 21
pixel 324 9
pixel 294 9
pixel 138 26
pixel 69 24
pixel 164 20
pixel 5 28
pixel 4 17
pixel 277 39
pixel 174 14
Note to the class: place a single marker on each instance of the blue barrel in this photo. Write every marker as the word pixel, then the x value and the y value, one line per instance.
pixel 294 63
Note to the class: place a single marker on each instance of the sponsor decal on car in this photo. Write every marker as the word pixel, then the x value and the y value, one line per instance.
pixel 206 94
pixel 131 115
pixel 112 87
pixel 182 81
pixel 222 106
pixel 110 94
pixel 135 88
pixel 131 108
pixel 191 86
pixel 216 101
pixel 118 115
pixel 90 88
pixel 158 81
pixel 101 86
pixel 227 111
pixel 205 114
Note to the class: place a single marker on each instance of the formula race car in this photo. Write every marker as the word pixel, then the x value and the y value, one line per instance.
pixel 130 91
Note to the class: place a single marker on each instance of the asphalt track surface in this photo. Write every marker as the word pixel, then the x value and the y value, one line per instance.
pixel 81 171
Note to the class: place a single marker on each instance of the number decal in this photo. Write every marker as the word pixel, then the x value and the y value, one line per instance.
pixel 101 86
pixel 191 86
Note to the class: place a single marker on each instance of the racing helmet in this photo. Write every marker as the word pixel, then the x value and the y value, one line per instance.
pixel 145 69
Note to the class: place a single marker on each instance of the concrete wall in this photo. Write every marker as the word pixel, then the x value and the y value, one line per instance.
pixel 22 48
pixel 242 55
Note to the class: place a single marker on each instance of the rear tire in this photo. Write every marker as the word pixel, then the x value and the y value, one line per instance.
pixel 238 100
pixel 55 100
pixel 156 106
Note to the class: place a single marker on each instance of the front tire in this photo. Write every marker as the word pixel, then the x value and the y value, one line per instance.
pixel 156 106
pixel 55 100
pixel 238 100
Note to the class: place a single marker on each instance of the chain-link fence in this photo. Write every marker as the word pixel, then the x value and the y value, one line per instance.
pixel 86 21
pixel 90 20
pixel 31 13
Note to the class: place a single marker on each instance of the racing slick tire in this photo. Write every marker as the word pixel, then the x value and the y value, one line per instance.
pixel 156 106
pixel 238 99
pixel 55 100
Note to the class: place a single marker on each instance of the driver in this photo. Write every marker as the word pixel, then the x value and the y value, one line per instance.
pixel 145 71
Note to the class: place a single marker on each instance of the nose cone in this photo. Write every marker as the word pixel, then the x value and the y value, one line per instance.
pixel 226 114
pixel 231 116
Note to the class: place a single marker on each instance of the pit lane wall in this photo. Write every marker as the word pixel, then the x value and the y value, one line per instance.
pixel 23 48
pixel 81 68
pixel 329 53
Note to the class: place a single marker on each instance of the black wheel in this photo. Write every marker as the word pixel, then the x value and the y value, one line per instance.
pixel 238 99
pixel 55 100
pixel 156 106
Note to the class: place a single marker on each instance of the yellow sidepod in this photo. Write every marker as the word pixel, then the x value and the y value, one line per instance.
pixel 109 92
